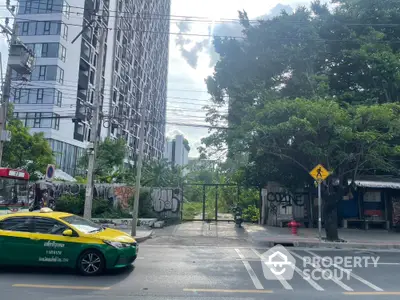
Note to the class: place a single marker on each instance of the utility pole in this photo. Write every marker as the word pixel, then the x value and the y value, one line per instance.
pixel 139 161
pixel 7 81
pixel 92 148
pixel 139 164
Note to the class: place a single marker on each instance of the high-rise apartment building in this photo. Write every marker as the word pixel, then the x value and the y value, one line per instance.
pixel 177 151
pixel 58 97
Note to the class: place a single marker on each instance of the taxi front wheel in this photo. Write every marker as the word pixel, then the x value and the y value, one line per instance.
pixel 91 262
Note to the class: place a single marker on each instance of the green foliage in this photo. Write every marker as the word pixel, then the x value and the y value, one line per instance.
pixel 109 160
pixel 251 214
pixel 71 204
pixel 306 88
pixel 160 173
pixel 32 152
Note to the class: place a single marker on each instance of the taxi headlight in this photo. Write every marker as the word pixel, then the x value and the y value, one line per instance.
pixel 117 245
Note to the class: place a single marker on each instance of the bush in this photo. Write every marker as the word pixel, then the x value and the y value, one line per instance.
pixel 251 214
pixel 73 204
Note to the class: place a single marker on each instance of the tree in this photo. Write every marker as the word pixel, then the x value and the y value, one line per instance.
pixel 24 150
pixel 109 160
pixel 311 87
pixel 161 173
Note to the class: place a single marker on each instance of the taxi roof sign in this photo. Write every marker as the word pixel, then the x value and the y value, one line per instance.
pixel 319 173
pixel 46 210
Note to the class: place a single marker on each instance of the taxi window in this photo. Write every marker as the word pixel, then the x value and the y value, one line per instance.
pixel 49 226
pixel 20 224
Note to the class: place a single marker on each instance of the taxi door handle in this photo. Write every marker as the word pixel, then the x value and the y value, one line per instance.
pixel 35 238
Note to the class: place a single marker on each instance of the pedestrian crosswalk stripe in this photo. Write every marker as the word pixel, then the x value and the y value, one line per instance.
pixel 251 272
pixel 285 284
pixel 335 280
pixel 366 282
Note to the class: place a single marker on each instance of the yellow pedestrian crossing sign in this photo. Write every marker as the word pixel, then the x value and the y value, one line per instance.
pixel 319 173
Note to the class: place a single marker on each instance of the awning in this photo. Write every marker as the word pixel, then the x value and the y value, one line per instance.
pixel 377 184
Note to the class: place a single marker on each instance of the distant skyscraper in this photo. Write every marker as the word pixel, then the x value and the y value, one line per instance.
pixel 58 97
pixel 177 151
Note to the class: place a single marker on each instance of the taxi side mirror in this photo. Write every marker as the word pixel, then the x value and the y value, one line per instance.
pixel 68 232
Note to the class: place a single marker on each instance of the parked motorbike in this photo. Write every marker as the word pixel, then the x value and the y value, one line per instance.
pixel 238 216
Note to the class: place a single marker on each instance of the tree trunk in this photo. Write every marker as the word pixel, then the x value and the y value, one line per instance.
pixel 331 218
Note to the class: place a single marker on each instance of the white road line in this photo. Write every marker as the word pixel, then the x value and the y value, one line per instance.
pixel 285 284
pixel 251 272
pixel 335 280
pixel 371 285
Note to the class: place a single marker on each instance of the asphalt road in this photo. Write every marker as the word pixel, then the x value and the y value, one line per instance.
pixel 169 271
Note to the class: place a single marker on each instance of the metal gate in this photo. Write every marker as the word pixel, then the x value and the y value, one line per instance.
pixel 214 202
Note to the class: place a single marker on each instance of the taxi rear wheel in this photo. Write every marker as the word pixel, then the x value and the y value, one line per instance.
pixel 91 262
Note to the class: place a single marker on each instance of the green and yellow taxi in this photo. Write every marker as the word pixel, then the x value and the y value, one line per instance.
pixel 48 238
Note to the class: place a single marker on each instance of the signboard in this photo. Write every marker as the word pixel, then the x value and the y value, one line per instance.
pixel 319 173
pixel 50 172
pixel 15 173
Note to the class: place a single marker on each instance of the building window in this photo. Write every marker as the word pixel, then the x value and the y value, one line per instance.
pixel 64 31
pixel 25 28
pixel 40 6
pixel 66 9
pixel 36 96
pixel 39 119
pixel 59 98
pixel 62 52
pixel 60 75
pixel 48 73
pixel 48 50
pixel 42 28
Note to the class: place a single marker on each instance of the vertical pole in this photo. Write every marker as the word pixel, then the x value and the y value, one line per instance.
pixel 216 202
pixel 319 211
pixel 204 202
pixel 139 162
pixel 87 213
pixel 6 89
pixel 261 206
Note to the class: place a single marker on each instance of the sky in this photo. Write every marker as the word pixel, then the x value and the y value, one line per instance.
pixel 191 58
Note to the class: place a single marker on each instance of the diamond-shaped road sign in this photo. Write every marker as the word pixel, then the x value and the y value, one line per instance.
pixel 319 173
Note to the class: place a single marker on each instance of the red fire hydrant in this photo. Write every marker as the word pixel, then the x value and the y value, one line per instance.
pixel 293 225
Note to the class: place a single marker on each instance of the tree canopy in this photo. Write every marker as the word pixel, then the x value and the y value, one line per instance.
pixel 318 85
pixel 25 150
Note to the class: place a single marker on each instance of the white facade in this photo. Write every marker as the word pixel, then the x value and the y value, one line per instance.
pixel 57 98
pixel 177 151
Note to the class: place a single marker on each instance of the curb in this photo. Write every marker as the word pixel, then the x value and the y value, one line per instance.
pixel 333 245
pixel 144 238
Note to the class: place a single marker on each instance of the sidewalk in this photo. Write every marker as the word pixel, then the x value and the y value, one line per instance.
pixel 141 234
pixel 308 237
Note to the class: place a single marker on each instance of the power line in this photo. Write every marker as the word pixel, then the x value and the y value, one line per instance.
pixel 228 36
pixel 150 15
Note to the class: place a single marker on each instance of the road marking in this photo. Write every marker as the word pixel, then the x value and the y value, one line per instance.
pixel 308 279
pixel 366 282
pixel 228 291
pixel 383 263
pixel 251 272
pixel 285 284
pixel 67 287
pixel 335 280
pixel 371 293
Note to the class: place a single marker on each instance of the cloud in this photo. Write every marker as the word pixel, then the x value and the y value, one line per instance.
pixel 191 55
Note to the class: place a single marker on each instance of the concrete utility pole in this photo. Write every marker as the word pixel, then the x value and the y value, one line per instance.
pixel 7 82
pixel 139 163
pixel 92 148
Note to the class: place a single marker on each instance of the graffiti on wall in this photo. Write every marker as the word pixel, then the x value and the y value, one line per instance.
pixel 166 200
pixel 286 198
pixel 162 199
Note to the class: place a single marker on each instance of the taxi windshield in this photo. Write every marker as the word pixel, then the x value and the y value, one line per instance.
pixel 82 224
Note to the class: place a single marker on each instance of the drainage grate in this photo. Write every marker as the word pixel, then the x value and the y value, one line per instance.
pixel 284 244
